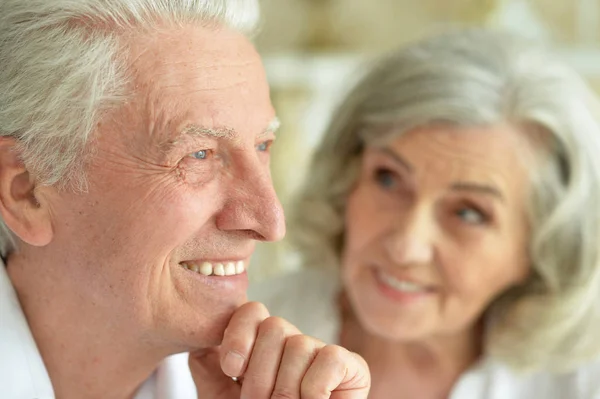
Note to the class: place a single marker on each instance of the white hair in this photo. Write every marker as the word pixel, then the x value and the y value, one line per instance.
pixel 60 71
pixel 482 78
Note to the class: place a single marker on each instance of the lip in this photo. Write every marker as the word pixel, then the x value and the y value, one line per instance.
pixel 245 259
pixel 399 275
pixel 399 296
pixel 234 283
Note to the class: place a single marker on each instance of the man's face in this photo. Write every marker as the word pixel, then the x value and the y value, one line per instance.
pixel 180 176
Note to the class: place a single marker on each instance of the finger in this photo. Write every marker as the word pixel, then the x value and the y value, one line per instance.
pixel 239 337
pixel 298 355
pixel 261 374
pixel 336 373
pixel 208 377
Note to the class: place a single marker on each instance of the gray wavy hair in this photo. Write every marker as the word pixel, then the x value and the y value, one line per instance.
pixel 61 71
pixel 482 78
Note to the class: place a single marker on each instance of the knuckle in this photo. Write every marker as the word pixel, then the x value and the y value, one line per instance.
pixel 284 393
pixel 334 352
pixel 361 360
pixel 300 344
pixel 272 326
pixel 236 343
pixel 256 307
pixel 257 392
pixel 255 385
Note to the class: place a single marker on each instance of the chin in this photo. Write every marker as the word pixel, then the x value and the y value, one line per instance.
pixel 212 334
pixel 200 328
pixel 392 327
pixel 206 339
pixel 397 333
pixel 189 340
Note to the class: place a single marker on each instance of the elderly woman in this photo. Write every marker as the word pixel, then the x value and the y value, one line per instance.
pixel 452 220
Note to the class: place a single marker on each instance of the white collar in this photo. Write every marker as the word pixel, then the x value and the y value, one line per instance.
pixel 22 371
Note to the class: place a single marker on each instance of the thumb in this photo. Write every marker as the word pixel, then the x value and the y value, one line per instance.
pixel 211 382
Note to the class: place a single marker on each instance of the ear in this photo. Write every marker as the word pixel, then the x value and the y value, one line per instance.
pixel 19 207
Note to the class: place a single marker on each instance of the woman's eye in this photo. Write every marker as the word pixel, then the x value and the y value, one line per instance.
pixel 471 216
pixel 202 154
pixel 264 146
pixel 386 178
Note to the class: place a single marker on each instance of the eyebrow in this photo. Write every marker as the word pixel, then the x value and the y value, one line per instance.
pixel 460 186
pixel 397 158
pixel 272 128
pixel 479 188
pixel 194 130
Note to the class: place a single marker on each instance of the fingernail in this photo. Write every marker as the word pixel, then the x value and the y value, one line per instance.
pixel 233 364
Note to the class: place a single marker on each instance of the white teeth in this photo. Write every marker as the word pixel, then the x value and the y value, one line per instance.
pixel 239 267
pixel 219 269
pixel 206 269
pixel 216 269
pixel 230 269
pixel 401 285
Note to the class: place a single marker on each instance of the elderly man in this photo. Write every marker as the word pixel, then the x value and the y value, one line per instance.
pixel 134 184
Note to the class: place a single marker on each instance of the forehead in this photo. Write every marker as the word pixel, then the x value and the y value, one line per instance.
pixel 175 54
pixel 199 76
pixel 498 155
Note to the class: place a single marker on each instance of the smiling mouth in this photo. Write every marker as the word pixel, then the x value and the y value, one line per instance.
pixel 401 285
pixel 232 268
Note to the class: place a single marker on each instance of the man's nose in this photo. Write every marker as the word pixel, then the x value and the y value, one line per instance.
pixel 410 241
pixel 252 206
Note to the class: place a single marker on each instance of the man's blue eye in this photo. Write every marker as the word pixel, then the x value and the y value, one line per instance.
pixel 262 147
pixel 203 154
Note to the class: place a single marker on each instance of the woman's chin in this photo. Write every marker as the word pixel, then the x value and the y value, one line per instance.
pixel 391 328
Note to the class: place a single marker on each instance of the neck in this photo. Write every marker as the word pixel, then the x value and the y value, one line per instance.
pixel 424 369
pixel 86 352
pixel 453 353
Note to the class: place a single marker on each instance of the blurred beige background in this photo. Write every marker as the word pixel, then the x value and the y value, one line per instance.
pixel 314 49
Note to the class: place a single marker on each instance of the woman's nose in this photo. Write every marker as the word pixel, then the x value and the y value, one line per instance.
pixel 410 242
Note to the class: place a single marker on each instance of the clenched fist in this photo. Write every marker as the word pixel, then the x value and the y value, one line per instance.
pixel 272 359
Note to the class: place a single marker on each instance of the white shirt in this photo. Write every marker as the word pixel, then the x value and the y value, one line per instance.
pixel 307 299
pixel 22 371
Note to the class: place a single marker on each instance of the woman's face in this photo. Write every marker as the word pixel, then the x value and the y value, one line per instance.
pixel 436 229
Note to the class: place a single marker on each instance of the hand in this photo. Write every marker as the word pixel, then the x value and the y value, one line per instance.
pixel 272 359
